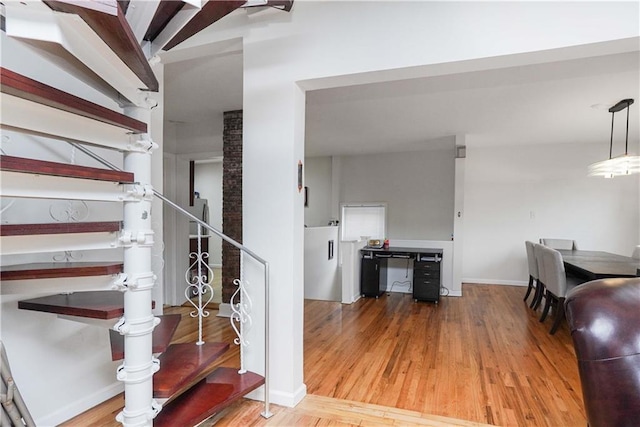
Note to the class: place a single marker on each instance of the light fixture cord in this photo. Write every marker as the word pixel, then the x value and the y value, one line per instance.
pixel 626 141
pixel 613 114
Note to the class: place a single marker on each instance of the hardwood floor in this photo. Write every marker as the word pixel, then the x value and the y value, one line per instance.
pixel 483 358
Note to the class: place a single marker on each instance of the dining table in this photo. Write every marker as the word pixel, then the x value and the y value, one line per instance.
pixel 592 265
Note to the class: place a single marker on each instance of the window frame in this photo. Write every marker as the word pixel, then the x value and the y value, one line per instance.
pixel 347 205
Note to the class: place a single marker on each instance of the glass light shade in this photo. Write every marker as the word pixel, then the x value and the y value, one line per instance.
pixel 621 165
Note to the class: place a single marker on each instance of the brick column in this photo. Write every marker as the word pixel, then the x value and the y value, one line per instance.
pixel 231 200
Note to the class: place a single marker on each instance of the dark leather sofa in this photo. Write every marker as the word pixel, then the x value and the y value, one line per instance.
pixel 604 320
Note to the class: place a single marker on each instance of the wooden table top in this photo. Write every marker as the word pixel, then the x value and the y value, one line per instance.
pixel 598 264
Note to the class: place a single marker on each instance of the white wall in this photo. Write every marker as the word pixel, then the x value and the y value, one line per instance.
pixel 321 276
pixel 513 194
pixel 418 187
pixel 317 177
pixel 314 47
pixel 193 138
pixel 208 182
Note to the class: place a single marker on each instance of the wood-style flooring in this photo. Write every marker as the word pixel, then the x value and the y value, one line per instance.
pixel 483 358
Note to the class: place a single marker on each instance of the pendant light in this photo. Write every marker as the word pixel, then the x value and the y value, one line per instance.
pixel 620 165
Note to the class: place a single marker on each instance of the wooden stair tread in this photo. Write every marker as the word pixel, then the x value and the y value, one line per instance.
pixel 58 228
pixel 91 304
pixel 54 270
pixel 113 28
pixel 182 365
pixel 214 393
pixel 162 335
pixel 43 167
pixel 23 87
pixel 208 14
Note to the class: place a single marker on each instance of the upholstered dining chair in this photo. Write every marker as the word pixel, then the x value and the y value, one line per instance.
pixel 556 286
pixel 560 244
pixel 533 274
pixel 604 321
pixel 540 290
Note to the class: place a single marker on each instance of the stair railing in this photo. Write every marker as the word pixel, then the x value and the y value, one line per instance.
pixel 199 277
pixel 239 309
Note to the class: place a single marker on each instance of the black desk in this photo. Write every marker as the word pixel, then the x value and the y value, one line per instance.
pixel 592 265
pixel 427 264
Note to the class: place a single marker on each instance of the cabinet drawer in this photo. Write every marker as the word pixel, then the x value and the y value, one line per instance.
pixel 417 282
pixel 426 291
pixel 429 266
pixel 426 275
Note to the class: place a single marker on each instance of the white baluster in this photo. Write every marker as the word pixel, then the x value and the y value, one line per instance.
pixel 199 284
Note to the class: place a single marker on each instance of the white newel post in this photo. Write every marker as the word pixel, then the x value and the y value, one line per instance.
pixel 138 322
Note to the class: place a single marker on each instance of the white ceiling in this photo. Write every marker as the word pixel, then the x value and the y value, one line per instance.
pixel 537 104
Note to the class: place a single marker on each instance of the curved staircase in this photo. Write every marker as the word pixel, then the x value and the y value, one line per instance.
pixel 95 293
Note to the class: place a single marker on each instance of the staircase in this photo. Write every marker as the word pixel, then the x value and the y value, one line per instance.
pixel 165 384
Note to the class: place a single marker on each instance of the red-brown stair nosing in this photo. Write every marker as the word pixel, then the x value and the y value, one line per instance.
pixel 162 334
pixel 214 393
pixel 208 14
pixel 24 87
pixel 58 228
pixel 182 365
pixel 165 11
pixel 43 167
pixel 91 304
pixel 56 270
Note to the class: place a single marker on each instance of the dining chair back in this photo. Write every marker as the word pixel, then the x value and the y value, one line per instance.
pixel 604 321
pixel 636 252
pixel 561 244
pixel 533 272
pixel 556 285
pixel 537 252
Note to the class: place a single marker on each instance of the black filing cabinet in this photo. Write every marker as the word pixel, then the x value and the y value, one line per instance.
pixel 426 277
pixel 373 276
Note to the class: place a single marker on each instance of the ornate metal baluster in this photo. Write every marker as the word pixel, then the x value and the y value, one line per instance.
pixel 199 281
pixel 241 314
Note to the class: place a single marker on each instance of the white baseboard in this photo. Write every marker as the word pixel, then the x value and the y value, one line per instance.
pixel 453 294
pixel 279 397
pixel 354 298
pixel 81 405
pixel 224 310
pixel 495 282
